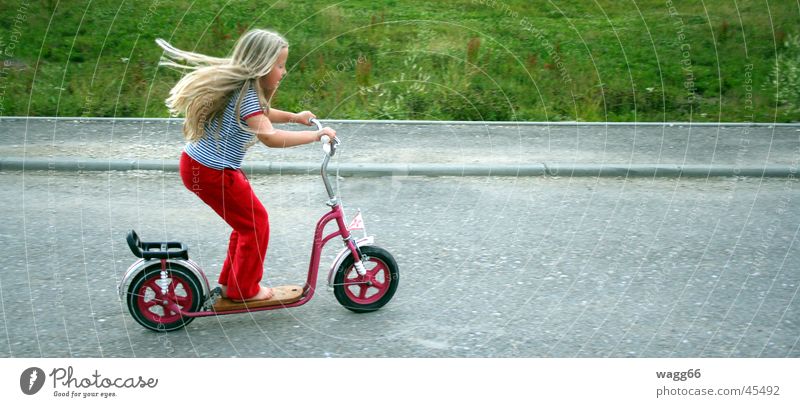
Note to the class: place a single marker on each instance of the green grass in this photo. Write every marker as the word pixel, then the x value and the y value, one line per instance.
pixel 453 60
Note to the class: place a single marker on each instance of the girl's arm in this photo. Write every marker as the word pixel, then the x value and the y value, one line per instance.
pixel 276 138
pixel 279 116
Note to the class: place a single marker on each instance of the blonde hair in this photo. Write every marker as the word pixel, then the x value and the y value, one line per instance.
pixel 202 94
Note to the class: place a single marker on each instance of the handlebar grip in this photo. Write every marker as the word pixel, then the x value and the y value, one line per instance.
pixel 326 144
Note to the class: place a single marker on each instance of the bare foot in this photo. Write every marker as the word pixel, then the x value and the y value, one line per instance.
pixel 264 293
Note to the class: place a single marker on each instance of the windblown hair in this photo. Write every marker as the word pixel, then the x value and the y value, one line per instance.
pixel 202 94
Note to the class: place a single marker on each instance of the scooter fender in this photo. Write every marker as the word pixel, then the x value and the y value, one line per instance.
pixel 366 241
pixel 143 264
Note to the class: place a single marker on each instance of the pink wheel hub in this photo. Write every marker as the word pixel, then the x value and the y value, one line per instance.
pixel 151 301
pixel 370 287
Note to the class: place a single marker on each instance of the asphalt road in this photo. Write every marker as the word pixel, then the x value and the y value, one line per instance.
pixel 501 267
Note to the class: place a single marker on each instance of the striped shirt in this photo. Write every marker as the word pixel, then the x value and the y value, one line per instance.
pixel 227 149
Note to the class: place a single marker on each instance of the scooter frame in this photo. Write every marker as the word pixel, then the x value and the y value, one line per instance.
pixel 180 257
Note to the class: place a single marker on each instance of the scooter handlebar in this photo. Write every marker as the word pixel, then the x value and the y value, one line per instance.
pixel 328 145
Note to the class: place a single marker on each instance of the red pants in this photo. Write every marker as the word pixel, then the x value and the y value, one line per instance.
pixel 228 192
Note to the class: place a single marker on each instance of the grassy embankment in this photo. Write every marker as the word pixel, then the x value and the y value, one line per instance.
pixel 456 60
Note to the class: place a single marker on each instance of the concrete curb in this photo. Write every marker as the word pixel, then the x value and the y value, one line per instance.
pixel 438 122
pixel 431 170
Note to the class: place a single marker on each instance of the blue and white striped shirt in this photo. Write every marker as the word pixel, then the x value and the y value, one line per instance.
pixel 226 150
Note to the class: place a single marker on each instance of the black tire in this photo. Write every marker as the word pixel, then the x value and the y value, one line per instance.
pixel 354 294
pixel 141 292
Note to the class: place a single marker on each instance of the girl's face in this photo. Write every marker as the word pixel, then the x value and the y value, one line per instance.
pixel 270 81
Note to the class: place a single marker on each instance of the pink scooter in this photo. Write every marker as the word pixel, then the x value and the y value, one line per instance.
pixel 165 290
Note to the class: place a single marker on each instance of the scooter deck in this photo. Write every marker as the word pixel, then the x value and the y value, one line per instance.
pixel 286 294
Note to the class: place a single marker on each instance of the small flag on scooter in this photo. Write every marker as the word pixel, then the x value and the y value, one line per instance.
pixel 357 223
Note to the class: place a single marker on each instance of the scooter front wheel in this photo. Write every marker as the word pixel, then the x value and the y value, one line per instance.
pixel 371 291
pixel 150 306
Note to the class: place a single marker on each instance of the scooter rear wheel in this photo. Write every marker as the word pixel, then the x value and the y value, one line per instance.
pixel 369 292
pixel 146 302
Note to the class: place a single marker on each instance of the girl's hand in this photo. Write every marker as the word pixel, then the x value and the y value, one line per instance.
pixel 326 131
pixel 304 117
